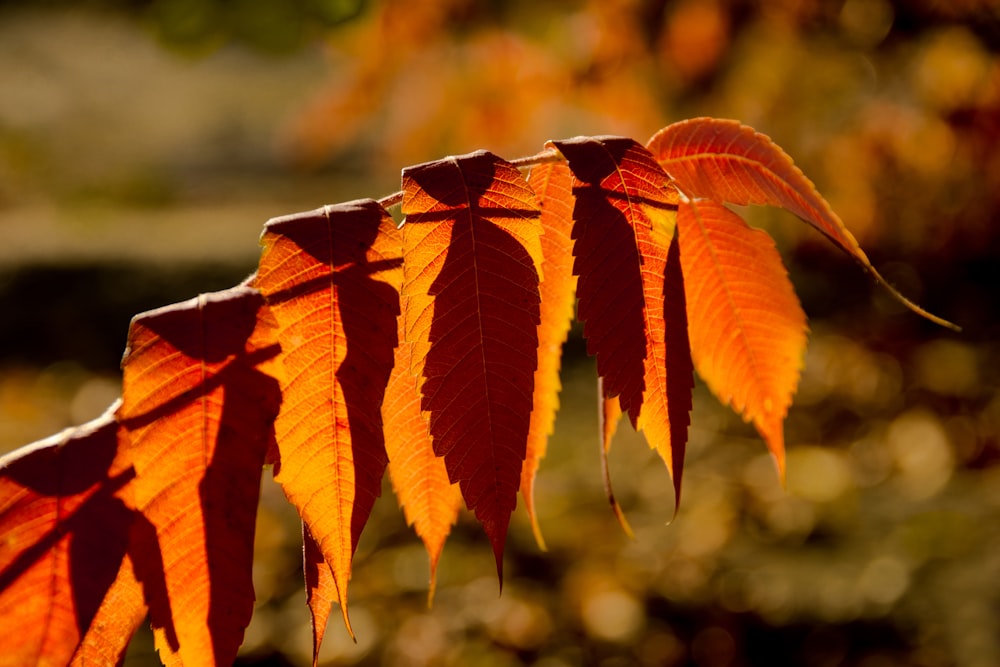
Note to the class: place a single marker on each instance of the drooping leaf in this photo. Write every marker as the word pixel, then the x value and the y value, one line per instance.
pixel 552 183
pixel 726 161
pixel 199 420
pixel 330 279
pixel 609 414
pixel 429 500
pixel 321 589
pixel 64 533
pixel 472 264
pixel 631 297
pixel 748 331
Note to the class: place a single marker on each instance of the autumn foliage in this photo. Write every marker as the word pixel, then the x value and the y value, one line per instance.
pixel 430 349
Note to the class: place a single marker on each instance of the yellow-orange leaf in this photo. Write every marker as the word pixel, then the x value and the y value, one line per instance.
pixel 726 161
pixel 330 278
pixel 631 287
pixel 429 500
pixel 473 261
pixel 552 183
pixel 748 331
pixel 199 420
pixel 65 533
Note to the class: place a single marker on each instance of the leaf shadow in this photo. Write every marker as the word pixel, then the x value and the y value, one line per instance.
pixel 97 530
pixel 483 445
pixel 608 264
pixel 215 329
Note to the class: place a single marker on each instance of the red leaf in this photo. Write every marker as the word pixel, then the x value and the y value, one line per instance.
pixel 330 278
pixel 472 267
pixel 630 290
pixel 748 331
pixel 199 417
pixel 726 161
pixel 65 531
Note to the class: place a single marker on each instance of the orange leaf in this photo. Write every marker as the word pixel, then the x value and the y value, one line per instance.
pixel 726 161
pixel 429 500
pixel 329 276
pixel 472 266
pixel 65 534
pixel 748 331
pixel 552 183
pixel 199 417
pixel 631 288
pixel 321 588
pixel 120 614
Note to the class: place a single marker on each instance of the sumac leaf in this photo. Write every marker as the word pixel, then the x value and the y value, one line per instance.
pixel 330 278
pixel 631 296
pixel 472 264
pixel 199 419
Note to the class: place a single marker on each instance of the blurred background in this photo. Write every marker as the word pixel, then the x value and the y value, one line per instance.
pixel 143 143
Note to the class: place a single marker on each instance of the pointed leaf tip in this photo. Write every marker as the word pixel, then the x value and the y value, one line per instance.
pixel 726 161
pixel 429 500
pixel 748 331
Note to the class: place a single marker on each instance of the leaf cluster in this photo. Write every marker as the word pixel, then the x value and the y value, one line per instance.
pixel 430 349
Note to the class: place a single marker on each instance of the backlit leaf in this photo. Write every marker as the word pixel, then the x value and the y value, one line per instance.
pixel 429 500
pixel 330 278
pixel 552 183
pixel 64 532
pixel 473 261
pixel 631 287
pixel 116 621
pixel 199 419
pixel 726 161
pixel 321 589
pixel 748 331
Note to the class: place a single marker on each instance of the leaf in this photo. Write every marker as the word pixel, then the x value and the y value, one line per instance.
pixel 472 264
pixel 552 183
pixel 321 589
pixel 330 278
pixel 631 297
pixel 119 616
pixel 65 532
pixel 748 331
pixel 726 161
pixel 429 500
pixel 199 418
pixel 609 414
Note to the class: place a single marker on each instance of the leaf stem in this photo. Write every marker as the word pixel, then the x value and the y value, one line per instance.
pixel 544 157
pixel 395 199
